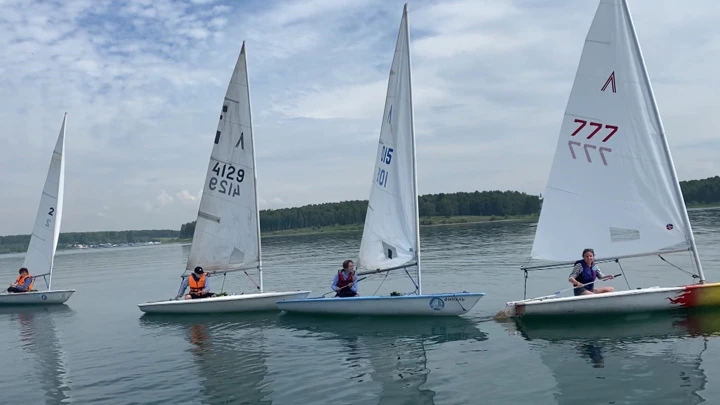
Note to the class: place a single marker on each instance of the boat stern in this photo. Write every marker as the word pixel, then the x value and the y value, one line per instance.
pixel 697 296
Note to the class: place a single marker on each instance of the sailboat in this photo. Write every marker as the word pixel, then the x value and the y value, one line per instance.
pixel 40 254
pixel 613 186
pixel 227 230
pixel 391 238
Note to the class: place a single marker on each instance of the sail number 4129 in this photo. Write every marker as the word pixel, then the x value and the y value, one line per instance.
pixel 227 179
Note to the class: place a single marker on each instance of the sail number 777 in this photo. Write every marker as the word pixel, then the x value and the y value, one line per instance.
pixel 227 179
pixel 594 129
pixel 386 158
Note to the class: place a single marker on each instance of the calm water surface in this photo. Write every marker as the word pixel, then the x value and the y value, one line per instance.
pixel 100 349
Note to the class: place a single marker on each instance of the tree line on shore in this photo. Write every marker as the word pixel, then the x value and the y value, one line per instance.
pixel 479 203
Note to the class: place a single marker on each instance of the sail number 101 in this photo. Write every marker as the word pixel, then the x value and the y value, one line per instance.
pixel 227 179
pixel 385 157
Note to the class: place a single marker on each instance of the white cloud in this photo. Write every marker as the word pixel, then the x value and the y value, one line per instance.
pixel 103 211
pixel 187 197
pixel 164 198
pixel 142 85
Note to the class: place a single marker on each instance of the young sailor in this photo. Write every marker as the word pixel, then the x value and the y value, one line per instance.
pixel 23 283
pixel 586 271
pixel 345 283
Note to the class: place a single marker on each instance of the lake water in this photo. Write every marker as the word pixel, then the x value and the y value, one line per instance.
pixel 100 349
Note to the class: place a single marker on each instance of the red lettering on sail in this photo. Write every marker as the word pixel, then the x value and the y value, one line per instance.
pixel 589 148
pixel 610 80
pixel 613 129
pixel 582 125
pixel 597 126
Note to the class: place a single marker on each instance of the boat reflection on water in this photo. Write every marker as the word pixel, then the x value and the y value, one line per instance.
pixel 37 336
pixel 289 359
pixel 639 358
pixel 388 352
pixel 229 352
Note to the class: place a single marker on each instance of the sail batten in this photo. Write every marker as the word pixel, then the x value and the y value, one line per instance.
pixel 40 254
pixel 612 185
pixel 391 227
pixel 227 231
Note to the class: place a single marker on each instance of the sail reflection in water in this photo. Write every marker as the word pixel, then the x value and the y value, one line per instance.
pixel 36 356
pixel 228 353
pixel 634 359
pixel 386 360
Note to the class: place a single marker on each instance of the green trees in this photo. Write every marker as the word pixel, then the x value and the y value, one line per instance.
pixel 485 203
pixel 701 192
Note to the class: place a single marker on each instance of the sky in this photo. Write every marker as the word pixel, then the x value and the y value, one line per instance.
pixel 142 82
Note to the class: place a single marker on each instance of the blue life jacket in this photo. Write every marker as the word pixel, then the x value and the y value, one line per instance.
pixel 588 274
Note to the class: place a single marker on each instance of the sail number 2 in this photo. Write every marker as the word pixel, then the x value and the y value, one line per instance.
pixel 593 130
pixel 227 179
pixel 385 157
pixel 47 221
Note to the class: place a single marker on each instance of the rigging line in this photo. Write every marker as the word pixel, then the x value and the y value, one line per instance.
pixel 381 283
pixel 681 269
pixel 253 281
pixel 623 273
pixel 413 281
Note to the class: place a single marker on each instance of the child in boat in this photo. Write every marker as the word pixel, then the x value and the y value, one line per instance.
pixel 586 271
pixel 345 282
pixel 23 283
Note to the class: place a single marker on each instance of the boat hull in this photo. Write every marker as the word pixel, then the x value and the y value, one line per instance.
pixel 253 302
pixel 404 305
pixel 639 300
pixel 36 298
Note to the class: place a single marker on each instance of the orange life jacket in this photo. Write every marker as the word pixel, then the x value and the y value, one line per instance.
pixel 196 286
pixel 20 281
pixel 342 281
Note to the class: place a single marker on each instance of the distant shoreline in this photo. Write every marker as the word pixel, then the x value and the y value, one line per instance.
pixel 332 229
pixel 424 222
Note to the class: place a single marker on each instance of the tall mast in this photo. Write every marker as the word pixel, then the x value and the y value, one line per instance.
pixel 257 205
pixel 414 154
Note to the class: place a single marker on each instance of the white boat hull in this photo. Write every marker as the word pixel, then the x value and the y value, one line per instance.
pixel 253 302
pixel 36 297
pixel 639 300
pixel 403 305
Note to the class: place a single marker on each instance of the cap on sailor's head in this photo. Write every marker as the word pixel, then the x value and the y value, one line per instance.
pixel 199 270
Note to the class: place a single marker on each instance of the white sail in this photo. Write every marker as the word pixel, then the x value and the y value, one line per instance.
pixel 227 229
pixel 390 235
pixel 43 242
pixel 612 185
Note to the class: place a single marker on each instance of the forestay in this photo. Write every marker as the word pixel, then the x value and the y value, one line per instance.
pixel 390 232
pixel 226 233
pixel 43 242
pixel 612 184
